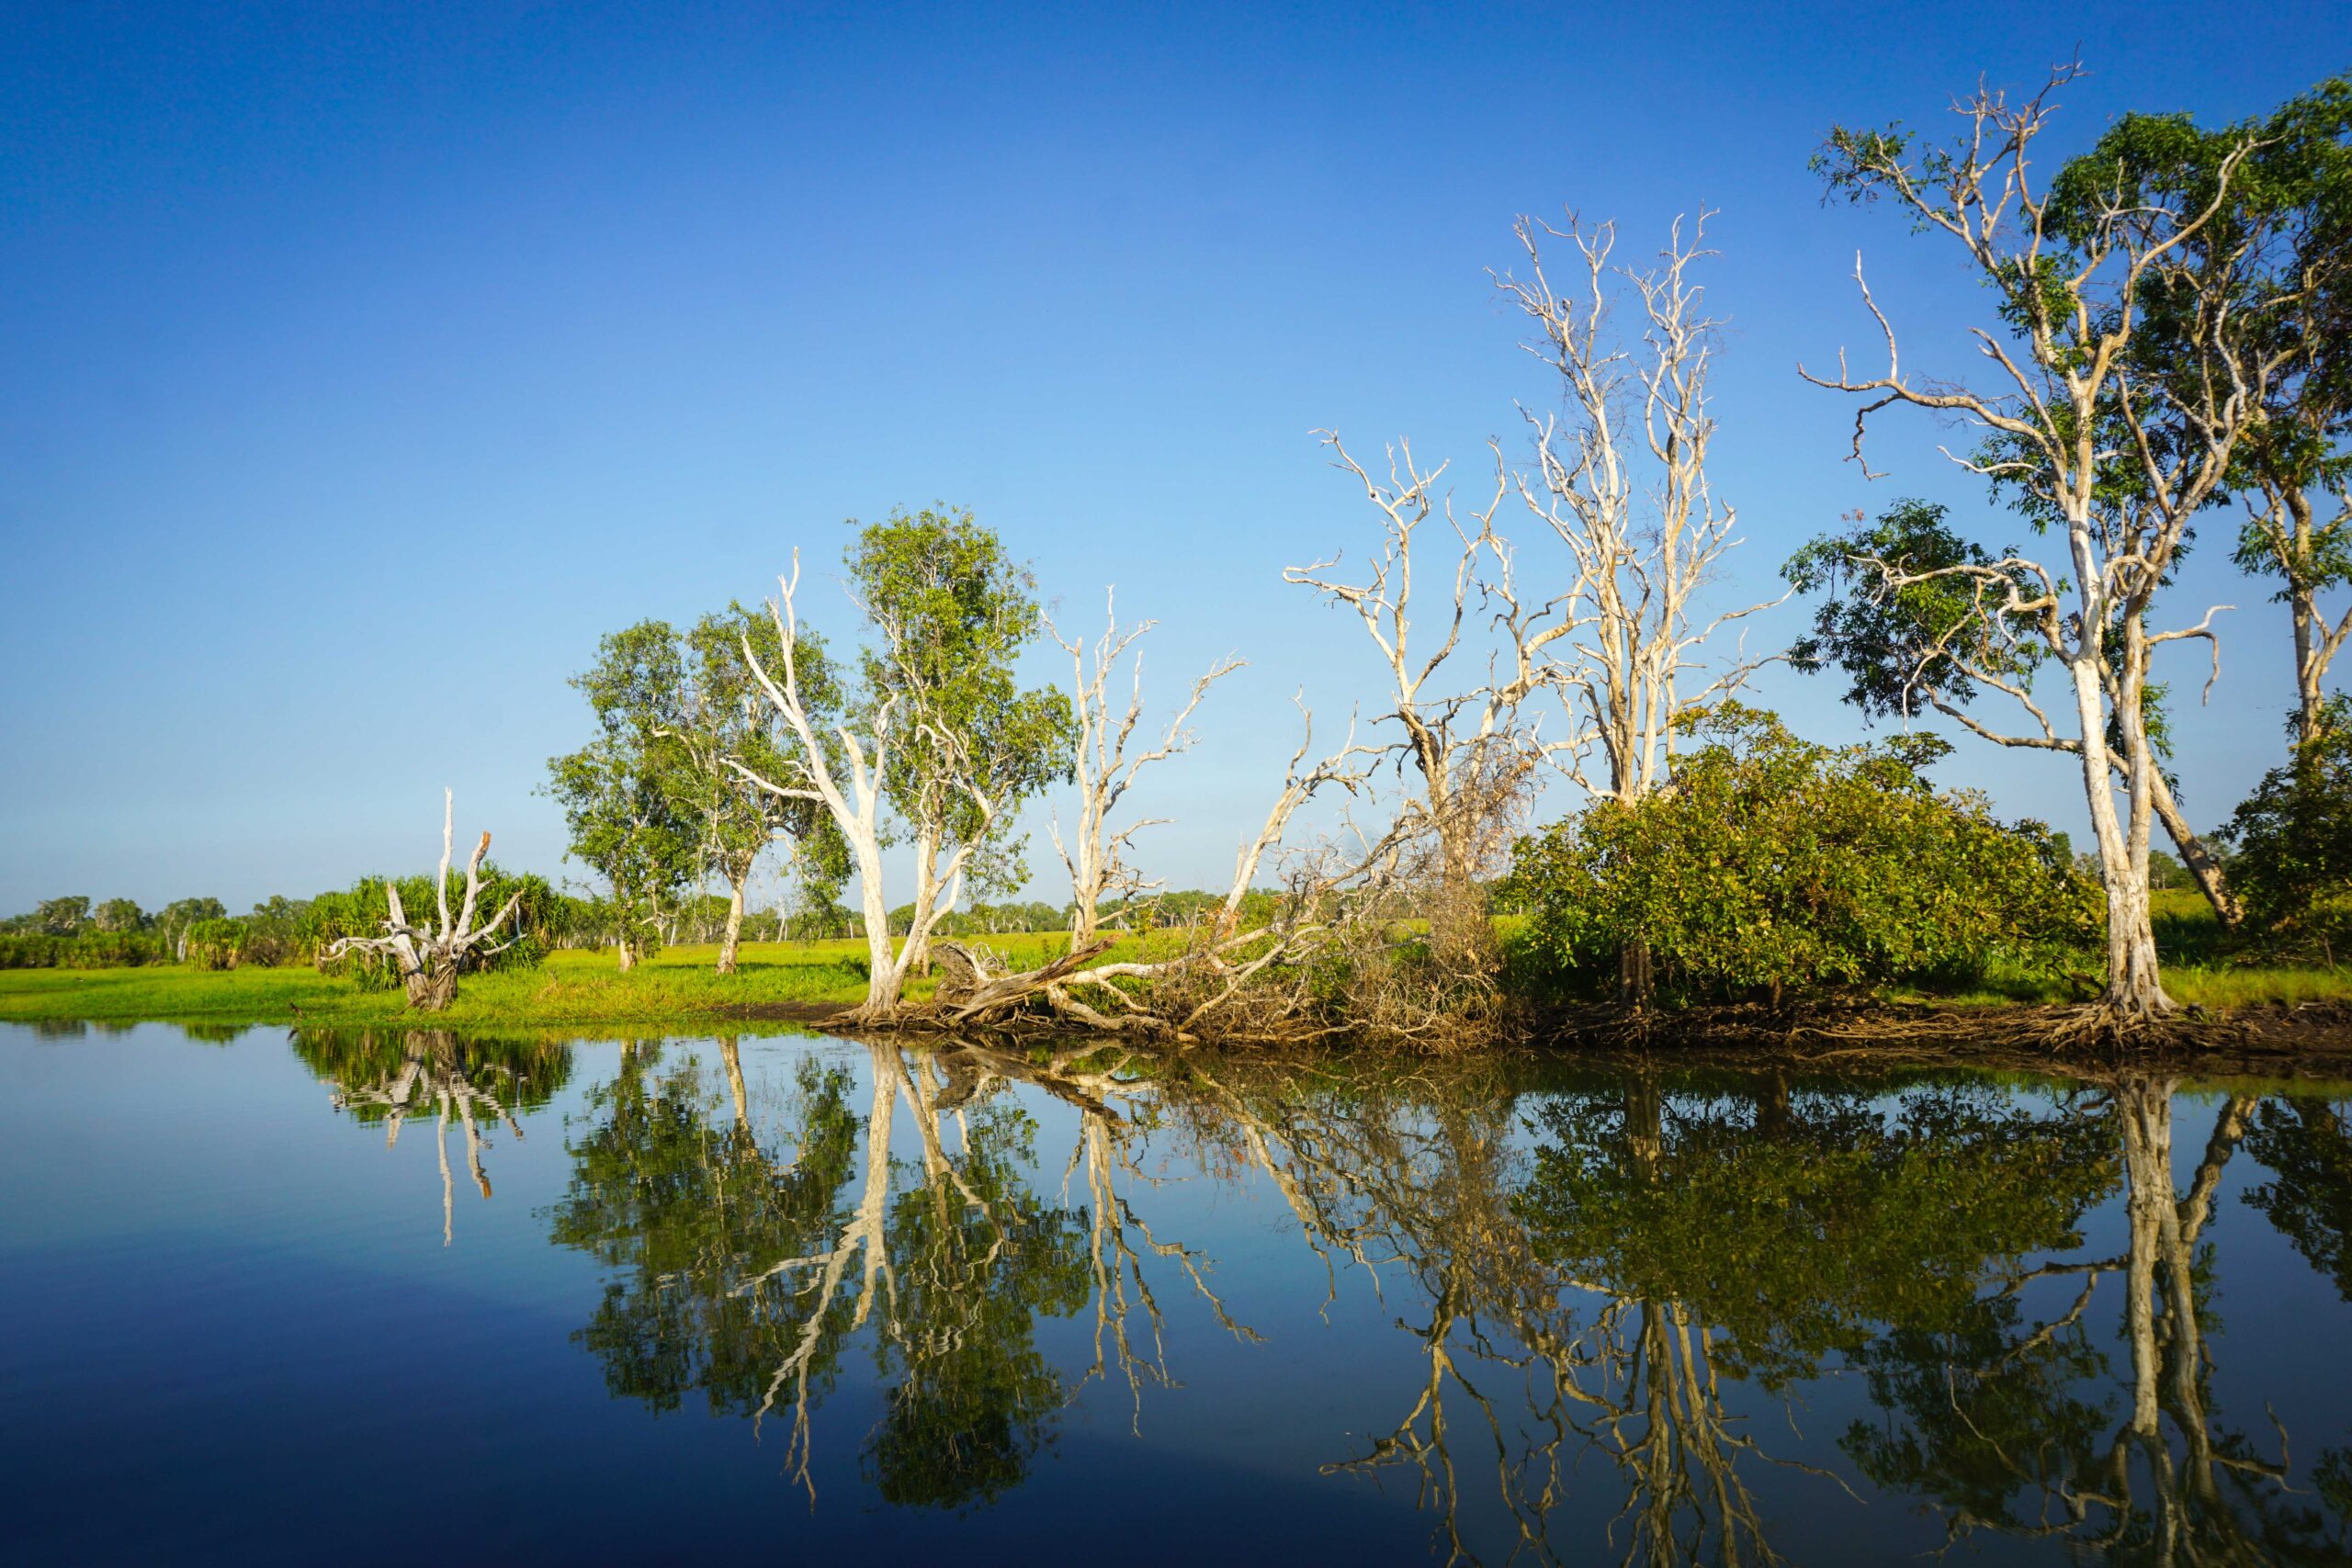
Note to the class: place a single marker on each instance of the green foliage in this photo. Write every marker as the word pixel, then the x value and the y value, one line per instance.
pixel 88 950
pixel 2292 839
pixel 1802 1222
pixel 968 745
pixel 1923 643
pixel 62 917
pixel 215 944
pixel 1773 863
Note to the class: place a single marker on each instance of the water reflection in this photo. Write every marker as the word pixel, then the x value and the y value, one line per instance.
pixel 1621 1295
pixel 391 1077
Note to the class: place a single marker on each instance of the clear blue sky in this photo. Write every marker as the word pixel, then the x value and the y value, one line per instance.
pixel 360 365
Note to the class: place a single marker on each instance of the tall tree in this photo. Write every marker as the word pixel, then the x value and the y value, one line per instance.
pixel 951 611
pixel 2114 460
pixel 1934 644
pixel 940 733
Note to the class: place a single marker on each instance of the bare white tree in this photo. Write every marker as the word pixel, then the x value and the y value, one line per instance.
pixel 1095 854
pixel 2071 419
pixel 427 958
pixel 1464 733
pixel 1622 483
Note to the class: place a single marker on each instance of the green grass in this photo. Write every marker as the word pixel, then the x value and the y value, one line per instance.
pixel 575 989
pixel 572 989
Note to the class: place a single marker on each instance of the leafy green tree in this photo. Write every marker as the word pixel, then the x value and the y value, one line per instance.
pixel 954 611
pixel 119 915
pixel 1938 633
pixel 178 916
pixel 1777 864
pixel 62 917
pixel 2292 839
pixel 2093 441
pixel 2281 241
pixel 628 795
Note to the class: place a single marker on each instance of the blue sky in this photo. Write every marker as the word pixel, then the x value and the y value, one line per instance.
pixel 360 365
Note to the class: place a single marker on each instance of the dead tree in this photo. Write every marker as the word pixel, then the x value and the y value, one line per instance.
pixel 1464 736
pixel 1095 854
pixel 1227 980
pixel 2072 419
pixel 429 957
pixel 1622 483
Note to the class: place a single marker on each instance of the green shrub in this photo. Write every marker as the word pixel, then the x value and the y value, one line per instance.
pixel 1770 863
pixel 215 944
pixel 2292 841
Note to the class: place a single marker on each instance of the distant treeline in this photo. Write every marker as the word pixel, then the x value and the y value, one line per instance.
pixel 79 932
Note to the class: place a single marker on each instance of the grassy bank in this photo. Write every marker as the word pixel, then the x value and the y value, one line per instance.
pixel 677 987
pixel 571 988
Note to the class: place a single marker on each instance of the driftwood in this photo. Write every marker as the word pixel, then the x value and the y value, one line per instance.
pixel 428 957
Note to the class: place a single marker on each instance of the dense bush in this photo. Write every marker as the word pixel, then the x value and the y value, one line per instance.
pixel 2292 841
pixel 215 944
pixel 90 949
pixel 1770 863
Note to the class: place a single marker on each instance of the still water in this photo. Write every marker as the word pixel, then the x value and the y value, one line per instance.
pixel 367 1297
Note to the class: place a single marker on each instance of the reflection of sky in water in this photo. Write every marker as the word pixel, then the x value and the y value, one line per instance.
pixel 230 1325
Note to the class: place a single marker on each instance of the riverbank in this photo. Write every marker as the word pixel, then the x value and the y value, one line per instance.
pixel 2303 1008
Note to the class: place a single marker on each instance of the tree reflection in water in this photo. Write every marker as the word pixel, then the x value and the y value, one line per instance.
pixel 1622 1267
pixel 390 1076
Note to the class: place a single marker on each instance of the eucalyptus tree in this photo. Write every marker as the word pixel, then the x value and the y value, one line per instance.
pixel 626 827
pixel 942 733
pixel 719 714
pixel 952 612
pixel 628 795
pixel 2115 460
pixel 2289 212
pixel 1931 645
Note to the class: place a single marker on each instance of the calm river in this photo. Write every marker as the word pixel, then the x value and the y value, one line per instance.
pixel 388 1297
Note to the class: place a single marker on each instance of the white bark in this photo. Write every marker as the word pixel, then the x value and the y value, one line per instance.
pixel 1094 854
pixel 428 957
pixel 2074 387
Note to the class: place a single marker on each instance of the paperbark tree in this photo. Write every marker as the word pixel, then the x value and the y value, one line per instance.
pixel 2116 461
pixel 720 714
pixel 1094 854
pixel 950 612
pixel 1929 643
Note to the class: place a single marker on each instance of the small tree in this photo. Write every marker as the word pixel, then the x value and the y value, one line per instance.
pixel 429 957
pixel 629 796
pixel 625 826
